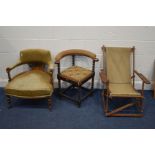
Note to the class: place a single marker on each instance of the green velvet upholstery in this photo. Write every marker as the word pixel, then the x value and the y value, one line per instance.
pixel 35 55
pixel 33 83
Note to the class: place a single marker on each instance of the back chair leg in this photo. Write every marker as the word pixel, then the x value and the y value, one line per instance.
pixel 106 104
pixel 49 103
pixel 103 100
pixel 59 84
pixel 92 84
pixel 8 97
pixel 142 105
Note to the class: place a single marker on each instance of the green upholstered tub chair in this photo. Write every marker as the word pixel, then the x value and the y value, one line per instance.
pixel 77 76
pixel 35 83
pixel 118 76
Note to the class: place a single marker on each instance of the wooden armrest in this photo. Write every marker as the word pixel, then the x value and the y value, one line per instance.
pixel 96 59
pixel 103 76
pixel 50 67
pixel 8 69
pixel 57 62
pixel 142 77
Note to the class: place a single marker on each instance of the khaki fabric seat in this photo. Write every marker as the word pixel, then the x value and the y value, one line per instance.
pixel 34 83
pixel 76 74
pixel 125 90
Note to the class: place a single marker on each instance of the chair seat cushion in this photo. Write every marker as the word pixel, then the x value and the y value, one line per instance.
pixel 33 83
pixel 125 90
pixel 76 74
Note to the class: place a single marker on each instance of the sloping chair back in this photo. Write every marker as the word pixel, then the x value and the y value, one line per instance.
pixel 118 64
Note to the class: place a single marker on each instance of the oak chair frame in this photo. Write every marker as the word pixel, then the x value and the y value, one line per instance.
pixel 73 83
pixel 41 67
pixel 106 93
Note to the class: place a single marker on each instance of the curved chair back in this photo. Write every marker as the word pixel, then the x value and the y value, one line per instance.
pixel 74 52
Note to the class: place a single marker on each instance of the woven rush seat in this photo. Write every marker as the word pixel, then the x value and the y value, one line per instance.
pixel 76 74
pixel 30 84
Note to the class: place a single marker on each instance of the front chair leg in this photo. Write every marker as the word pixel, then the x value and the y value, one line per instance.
pixel 107 104
pixel 79 97
pixel 59 84
pixel 49 103
pixel 9 101
pixel 92 84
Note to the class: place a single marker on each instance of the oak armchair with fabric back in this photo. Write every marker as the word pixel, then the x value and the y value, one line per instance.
pixel 76 75
pixel 35 83
pixel 118 77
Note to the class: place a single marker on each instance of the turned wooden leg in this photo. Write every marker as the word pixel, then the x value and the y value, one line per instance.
pixel 59 84
pixel 92 84
pixel 8 100
pixel 49 103
pixel 79 97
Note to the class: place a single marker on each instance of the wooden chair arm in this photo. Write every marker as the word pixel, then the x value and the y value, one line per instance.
pixel 78 52
pixel 8 69
pixel 103 77
pixel 14 66
pixel 142 77
pixel 96 59
pixel 50 67
pixel 57 62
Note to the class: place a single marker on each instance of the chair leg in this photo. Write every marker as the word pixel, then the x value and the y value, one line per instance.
pixel 138 104
pixel 107 104
pixel 104 100
pixel 92 84
pixel 79 97
pixel 142 105
pixel 8 97
pixel 49 103
pixel 59 84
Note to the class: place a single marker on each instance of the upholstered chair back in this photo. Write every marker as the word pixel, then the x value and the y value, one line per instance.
pixel 74 52
pixel 35 55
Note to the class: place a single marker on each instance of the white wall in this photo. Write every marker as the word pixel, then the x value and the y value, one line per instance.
pixel 13 39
